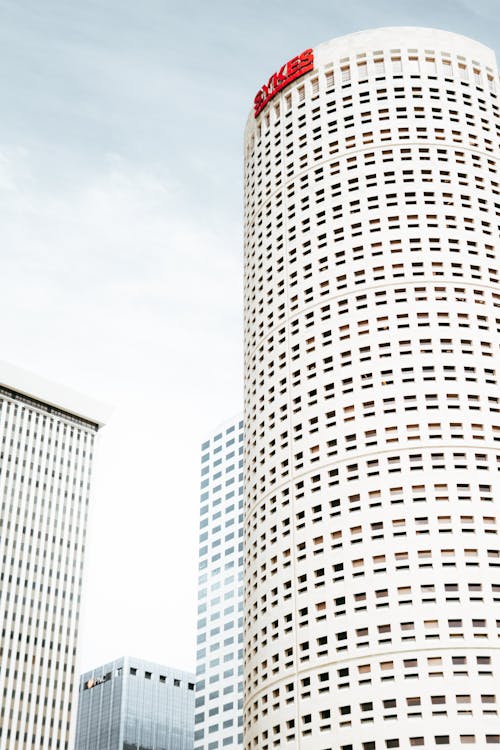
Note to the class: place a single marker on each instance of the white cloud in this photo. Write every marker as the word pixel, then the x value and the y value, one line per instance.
pixel 124 288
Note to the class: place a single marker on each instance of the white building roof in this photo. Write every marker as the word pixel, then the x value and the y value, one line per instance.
pixel 33 386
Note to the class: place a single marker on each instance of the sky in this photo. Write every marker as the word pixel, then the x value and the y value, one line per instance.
pixel 121 128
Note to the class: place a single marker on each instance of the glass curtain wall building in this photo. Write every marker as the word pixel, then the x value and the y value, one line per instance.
pixel 47 435
pixel 372 405
pixel 131 704
pixel 219 659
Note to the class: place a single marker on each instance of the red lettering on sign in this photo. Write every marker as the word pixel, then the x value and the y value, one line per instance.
pixel 307 57
pixel 293 66
pixel 290 71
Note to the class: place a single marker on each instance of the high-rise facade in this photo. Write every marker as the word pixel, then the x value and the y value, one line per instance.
pixel 47 440
pixel 219 656
pixel 132 704
pixel 372 410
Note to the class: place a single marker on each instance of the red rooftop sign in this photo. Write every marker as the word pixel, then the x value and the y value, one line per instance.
pixel 290 71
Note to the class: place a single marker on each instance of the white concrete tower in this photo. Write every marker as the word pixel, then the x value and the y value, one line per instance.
pixel 372 410
pixel 47 435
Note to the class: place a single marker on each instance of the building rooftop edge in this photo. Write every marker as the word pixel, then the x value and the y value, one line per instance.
pixel 33 386
pixel 233 420
pixel 148 662
pixel 402 29
pixel 356 36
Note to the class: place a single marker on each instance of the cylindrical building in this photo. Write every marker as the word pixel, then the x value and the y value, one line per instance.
pixel 372 410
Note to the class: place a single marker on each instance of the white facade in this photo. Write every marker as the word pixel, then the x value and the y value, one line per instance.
pixel 372 410
pixel 219 655
pixel 47 436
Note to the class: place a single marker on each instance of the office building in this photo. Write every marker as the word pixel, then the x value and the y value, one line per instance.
pixel 219 657
pixel 47 440
pixel 131 704
pixel 372 412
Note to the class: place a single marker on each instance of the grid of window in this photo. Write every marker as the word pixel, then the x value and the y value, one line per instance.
pixel 131 703
pixel 45 467
pixel 372 321
pixel 219 657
